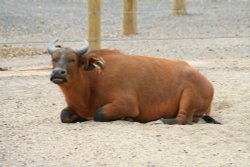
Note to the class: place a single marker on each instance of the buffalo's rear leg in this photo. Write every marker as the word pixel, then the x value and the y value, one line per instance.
pixel 69 117
pixel 187 108
pixel 184 117
pixel 117 110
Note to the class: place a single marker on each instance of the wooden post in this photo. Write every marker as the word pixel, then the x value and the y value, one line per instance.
pixel 179 7
pixel 129 17
pixel 94 24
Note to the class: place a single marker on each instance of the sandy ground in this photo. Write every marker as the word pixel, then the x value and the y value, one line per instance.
pixel 31 133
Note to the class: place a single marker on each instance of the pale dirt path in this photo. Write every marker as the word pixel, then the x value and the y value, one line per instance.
pixel 32 135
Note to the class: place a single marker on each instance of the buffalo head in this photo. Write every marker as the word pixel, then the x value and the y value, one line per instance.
pixel 65 61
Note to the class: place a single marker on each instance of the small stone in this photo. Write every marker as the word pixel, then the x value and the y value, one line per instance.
pixel 3 69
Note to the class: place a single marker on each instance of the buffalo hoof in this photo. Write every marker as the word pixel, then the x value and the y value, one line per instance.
pixel 69 117
pixel 99 116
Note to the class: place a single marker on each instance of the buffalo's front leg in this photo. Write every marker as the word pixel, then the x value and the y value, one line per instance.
pixel 69 117
pixel 119 109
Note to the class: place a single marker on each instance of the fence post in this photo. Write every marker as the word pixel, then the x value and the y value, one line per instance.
pixel 179 7
pixel 94 24
pixel 129 17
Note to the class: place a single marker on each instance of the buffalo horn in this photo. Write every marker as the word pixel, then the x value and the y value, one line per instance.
pixel 81 51
pixel 84 49
pixel 52 47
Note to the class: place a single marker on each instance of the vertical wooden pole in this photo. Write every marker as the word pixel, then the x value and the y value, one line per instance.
pixel 179 7
pixel 94 24
pixel 129 17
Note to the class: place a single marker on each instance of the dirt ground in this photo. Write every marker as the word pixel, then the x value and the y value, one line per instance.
pixel 31 133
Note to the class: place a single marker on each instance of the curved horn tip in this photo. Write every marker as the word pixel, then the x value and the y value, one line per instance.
pixel 84 49
pixel 53 41
pixel 86 42
pixel 52 47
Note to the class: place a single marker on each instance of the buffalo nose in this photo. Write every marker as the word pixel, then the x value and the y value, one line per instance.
pixel 59 72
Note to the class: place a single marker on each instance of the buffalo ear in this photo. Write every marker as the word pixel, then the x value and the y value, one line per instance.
pixel 92 61
pixel 87 65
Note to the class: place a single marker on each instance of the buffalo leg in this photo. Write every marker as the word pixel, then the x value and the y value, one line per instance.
pixel 117 110
pixel 184 117
pixel 68 117
pixel 186 108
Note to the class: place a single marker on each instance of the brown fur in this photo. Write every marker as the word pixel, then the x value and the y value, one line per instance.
pixel 136 87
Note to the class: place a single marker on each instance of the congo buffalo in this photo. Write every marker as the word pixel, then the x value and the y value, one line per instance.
pixel 107 85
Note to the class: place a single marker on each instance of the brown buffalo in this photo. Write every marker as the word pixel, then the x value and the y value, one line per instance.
pixel 107 85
